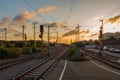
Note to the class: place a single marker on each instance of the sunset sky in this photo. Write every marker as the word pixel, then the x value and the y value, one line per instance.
pixel 63 13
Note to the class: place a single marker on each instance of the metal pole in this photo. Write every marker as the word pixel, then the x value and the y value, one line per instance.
pixel 78 32
pixel 34 34
pixel 5 34
pixel 48 40
pixel 23 36
pixel 25 40
pixel 23 33
pixel 76 35
pixel 57 38
pixel 60 42
pixel 101 33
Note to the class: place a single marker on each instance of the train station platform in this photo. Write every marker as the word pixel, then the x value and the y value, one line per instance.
pixel 85 70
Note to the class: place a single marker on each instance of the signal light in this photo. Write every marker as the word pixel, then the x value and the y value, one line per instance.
pixel 41 28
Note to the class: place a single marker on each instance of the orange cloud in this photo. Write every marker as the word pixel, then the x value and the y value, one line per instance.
pixel 46 9
pixel 17 35
pixel 57 24
pixel 94 35
pixel 5 21
pixel 74 32
pixel 114 19
pixel 24 16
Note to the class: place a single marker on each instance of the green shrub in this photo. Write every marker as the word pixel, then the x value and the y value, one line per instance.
pixel 38 49
pixel 27 50
pixel 14 52
pixel 71 52
pixel 10 52
pixel 75 55
pixel 44 49
pixel 34 49
pixel 3 53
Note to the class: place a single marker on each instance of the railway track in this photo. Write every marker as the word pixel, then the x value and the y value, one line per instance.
pixel 103 54
pixel 39 71
pixel 102 58
pixel 21 60
pixel 14 62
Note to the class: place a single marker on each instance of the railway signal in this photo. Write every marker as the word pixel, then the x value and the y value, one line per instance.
pixel 41 32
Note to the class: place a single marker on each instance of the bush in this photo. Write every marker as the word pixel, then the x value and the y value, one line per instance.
pixel 14 52
pixel 38 49
pixel 34 49
pixel 3 53
pixel 19 44
pixel 10 52
pixel 75 55
pixel 27 50
pixel 71 52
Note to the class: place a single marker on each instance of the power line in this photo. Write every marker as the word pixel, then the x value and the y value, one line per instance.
pixel 114 11
pixel 8 11
pixel 71 9
pixel 44 5
pixel 34 9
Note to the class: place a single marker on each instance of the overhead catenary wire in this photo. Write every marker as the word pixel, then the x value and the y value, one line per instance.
pixel 71 9
pixel 6 11
pixel 70 12
pixel 44 5
pixel 34 9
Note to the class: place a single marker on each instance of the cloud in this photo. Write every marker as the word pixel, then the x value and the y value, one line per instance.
pixel 74 32
pixel 46 9
pixel 5 21
pixel 1 23
pixel 86 32
pixel 114 19
pixel 94 35
pixel 17 35
pixel 24 16
pixel 57 24
pixel 1 29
